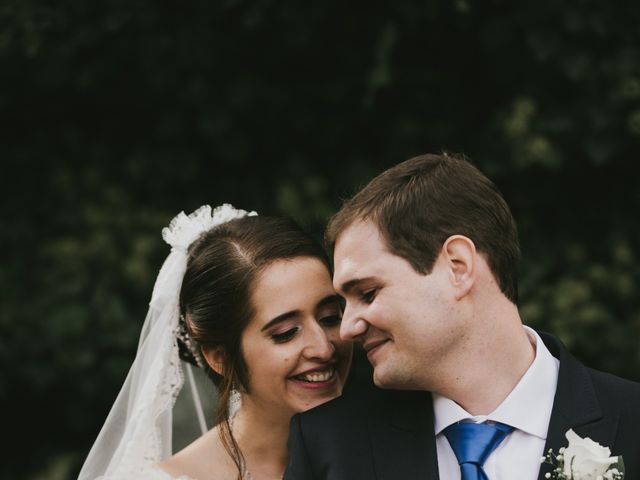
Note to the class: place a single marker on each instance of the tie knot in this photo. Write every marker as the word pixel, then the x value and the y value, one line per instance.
pixel 474 442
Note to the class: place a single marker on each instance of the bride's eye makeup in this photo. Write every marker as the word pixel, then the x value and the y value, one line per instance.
pixel 284 336
pixel 329 311
pixel 285 327
pixel 282 328
pixel 331 320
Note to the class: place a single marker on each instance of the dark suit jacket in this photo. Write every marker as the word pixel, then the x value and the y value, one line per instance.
pixel 389 435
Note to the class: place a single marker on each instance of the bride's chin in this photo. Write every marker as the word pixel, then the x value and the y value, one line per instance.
pixel 312 394
pixel 316 400
pixel 308 405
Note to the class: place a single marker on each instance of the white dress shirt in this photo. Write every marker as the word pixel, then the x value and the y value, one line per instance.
pixel 527 408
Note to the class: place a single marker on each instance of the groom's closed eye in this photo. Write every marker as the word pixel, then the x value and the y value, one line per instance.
pixel 368 296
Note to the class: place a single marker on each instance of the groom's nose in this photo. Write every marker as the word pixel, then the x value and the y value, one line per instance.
pixel 352 326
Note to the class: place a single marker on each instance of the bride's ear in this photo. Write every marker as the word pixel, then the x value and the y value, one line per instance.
pixel 215 357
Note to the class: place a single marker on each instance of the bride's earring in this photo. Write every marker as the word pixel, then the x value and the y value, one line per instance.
pixel 235 400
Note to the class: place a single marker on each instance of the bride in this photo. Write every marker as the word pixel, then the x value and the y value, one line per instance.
pixel 250 300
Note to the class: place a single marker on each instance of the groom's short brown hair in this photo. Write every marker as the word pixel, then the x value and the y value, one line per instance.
pixel 418 204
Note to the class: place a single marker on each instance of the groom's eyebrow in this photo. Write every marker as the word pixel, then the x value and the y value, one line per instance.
pixel 347 287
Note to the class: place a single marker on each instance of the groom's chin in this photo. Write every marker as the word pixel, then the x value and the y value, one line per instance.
pixel 381 379
pixel 392 380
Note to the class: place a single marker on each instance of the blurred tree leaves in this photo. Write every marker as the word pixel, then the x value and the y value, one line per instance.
pixel 117 115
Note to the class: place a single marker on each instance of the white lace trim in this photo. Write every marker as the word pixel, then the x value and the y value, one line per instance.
pixel 146 443
pixel 185 229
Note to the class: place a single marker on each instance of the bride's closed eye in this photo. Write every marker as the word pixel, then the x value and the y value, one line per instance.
pixel 285 336
pixel 329 314
pixel 331 320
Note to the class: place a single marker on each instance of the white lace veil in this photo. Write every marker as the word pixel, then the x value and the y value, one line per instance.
pixel 138 431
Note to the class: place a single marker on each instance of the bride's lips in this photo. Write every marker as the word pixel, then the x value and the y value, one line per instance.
pixel 373 346
pixel 322 377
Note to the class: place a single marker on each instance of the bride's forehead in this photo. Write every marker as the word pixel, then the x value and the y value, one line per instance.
pixel 287 272
pixel 298 283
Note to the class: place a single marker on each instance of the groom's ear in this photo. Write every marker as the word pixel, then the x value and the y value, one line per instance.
pixel 215 357
pixel 460 254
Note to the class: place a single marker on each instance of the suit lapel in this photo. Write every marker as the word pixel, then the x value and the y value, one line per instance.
pixel 402 438
pixel 575 405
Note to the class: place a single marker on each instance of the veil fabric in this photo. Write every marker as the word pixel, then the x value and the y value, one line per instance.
pixel 137 433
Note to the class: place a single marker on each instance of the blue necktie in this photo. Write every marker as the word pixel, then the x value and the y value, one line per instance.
pixel 473 443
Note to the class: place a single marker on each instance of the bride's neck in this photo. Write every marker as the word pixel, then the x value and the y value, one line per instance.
pixel 262 438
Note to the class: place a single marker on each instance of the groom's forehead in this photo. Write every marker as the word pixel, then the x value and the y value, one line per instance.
pixel 360 237
pixel 358 244
pixel 356 256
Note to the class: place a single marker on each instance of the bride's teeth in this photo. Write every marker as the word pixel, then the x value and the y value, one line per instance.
pixel 317 376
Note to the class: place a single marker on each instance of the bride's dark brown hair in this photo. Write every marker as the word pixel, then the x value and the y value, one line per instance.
pixel 215 304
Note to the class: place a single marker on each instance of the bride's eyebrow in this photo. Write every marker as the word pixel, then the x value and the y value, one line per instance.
pixel 333 299
pixel 280 318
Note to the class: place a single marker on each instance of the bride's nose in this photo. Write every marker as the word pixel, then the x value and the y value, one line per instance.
pixel 318 346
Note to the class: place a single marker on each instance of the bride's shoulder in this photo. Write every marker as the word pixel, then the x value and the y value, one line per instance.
pixel 204 459
pixel 157 473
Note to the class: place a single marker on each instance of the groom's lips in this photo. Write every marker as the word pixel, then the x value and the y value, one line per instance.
pixel 373 346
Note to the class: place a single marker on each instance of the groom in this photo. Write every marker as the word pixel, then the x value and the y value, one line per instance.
pixel 426 257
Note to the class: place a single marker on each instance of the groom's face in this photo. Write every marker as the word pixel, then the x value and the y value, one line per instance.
pixel 405 320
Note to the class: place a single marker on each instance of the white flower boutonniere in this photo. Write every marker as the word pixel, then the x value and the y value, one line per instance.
pixel 583 459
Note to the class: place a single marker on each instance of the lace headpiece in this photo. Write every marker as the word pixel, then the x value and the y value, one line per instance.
pixel 180 234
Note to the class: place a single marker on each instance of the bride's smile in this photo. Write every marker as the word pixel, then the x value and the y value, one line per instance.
pixel 316 375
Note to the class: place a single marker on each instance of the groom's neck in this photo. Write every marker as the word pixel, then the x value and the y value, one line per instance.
pixel 487 367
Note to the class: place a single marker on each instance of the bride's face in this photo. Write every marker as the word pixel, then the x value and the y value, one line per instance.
pixel 292 348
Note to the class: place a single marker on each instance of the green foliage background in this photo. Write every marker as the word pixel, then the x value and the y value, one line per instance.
pixel 116 115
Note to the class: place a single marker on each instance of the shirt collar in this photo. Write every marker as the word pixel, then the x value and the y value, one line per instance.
pixel 528 406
